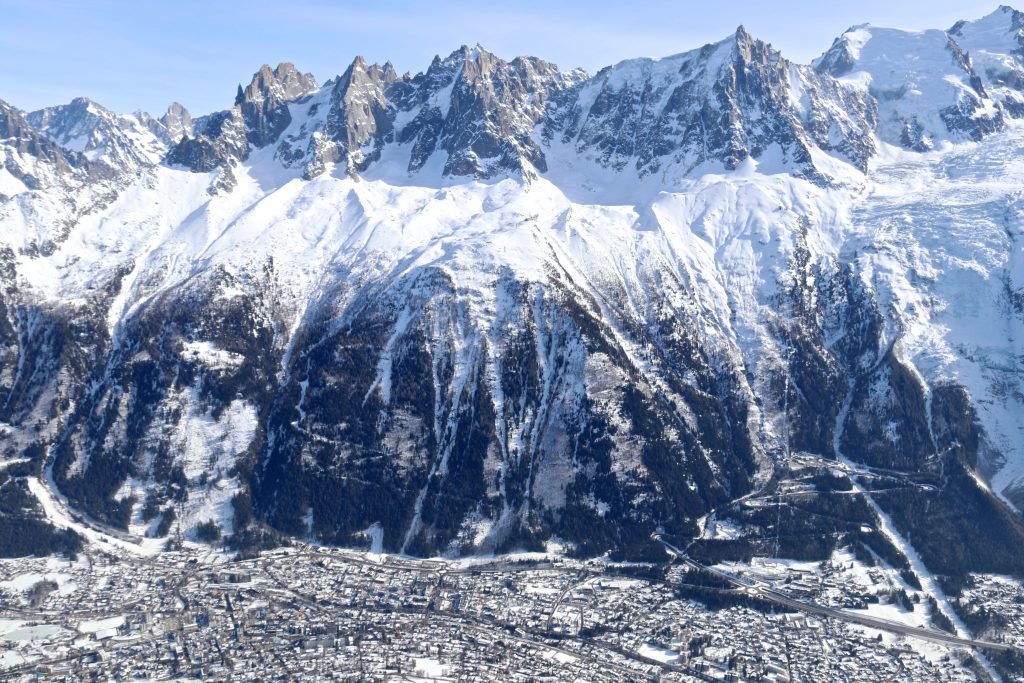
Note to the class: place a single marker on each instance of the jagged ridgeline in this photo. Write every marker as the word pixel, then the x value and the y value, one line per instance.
pixel 498 305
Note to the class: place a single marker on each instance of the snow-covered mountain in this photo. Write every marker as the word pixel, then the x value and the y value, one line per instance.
pixel 498 304
pixel 31 161
pixel 924 82
pixel 994 45
pixel 124 143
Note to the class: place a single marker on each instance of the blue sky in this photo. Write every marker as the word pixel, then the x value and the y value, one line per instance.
pixel 146 53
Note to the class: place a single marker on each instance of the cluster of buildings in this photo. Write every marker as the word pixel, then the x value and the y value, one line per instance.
pixel 306 613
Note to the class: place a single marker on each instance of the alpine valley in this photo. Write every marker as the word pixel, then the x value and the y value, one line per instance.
pixel 741 305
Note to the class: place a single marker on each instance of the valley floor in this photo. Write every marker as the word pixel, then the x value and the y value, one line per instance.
pixel 310 613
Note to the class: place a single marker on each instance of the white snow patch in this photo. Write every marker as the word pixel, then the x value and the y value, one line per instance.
pixel 97 625
pixel 212 357
pixel 657 653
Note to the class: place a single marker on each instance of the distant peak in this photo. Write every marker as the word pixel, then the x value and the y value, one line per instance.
pixel 85 104
pixel 78 107
pixel 360 71
pixel 284 82
pixel 176 108
pixel 464 54
pixel 1001 15
pixel 474 52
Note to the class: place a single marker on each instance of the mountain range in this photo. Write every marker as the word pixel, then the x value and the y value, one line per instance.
pixel 497 305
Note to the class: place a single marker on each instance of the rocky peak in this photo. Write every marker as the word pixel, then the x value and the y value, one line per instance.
pixel 474 107
pixel 258 118
pixel 747 48
pixel 719 104
pixel 283 83
pixel 61 121
pixel 219 141
pixel 724 102
pixel 177 122
pixel 479 115
pixel 841 57
pixel 746 57
pixel 389 73
pixel 32 158
pixel 359 119
pixel 169 128
pixel 263 103
pixel 492 109
pixel 360 72
pixel 476 62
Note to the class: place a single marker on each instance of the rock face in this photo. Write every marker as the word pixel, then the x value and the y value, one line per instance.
pixel 486 126
pixel 497 305
pixel 721 104
pixel 217 139
pixel 31 158
pixel 263 103
pixel 357 117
